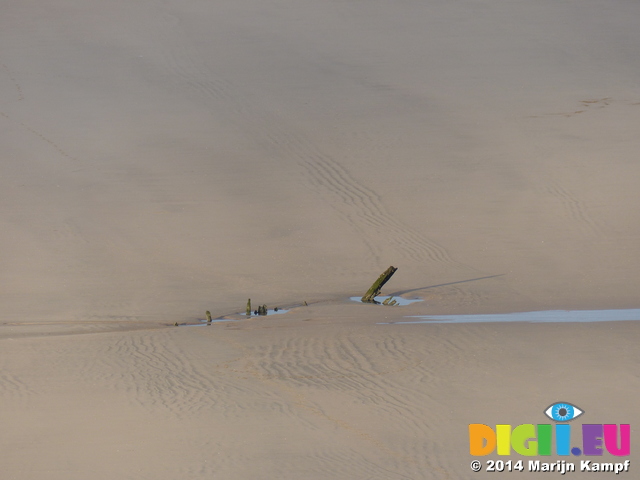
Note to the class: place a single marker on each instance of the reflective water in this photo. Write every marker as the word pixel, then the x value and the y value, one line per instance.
pixel 548 316
pixel 400 301
pixel 203 321
pixel 269 312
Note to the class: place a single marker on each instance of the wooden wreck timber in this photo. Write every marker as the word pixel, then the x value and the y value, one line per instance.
pixel 374 291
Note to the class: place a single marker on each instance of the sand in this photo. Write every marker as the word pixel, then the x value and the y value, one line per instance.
pixel 159 159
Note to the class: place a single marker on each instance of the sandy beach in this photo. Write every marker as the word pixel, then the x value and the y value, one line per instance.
pixel 159 159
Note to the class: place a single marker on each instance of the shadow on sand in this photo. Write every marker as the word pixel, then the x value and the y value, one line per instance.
pixel 403 292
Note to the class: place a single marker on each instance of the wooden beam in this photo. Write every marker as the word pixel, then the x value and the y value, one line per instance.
pixel 373 292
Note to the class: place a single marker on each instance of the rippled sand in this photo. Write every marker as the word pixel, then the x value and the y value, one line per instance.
pixel 160 158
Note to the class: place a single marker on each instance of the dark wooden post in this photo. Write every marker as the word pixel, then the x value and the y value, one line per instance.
pixel 369 297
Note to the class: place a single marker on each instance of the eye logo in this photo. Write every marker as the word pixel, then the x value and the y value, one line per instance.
pixel 563 412
pixel 530 440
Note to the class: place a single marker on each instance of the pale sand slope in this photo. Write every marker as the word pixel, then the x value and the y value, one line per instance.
pixel 318 393
pixel 161 158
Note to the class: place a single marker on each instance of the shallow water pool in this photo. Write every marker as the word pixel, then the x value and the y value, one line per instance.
pixel 548 316
pixel 400 301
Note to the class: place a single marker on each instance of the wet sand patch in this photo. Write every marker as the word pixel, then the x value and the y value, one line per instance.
pixel 548 316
